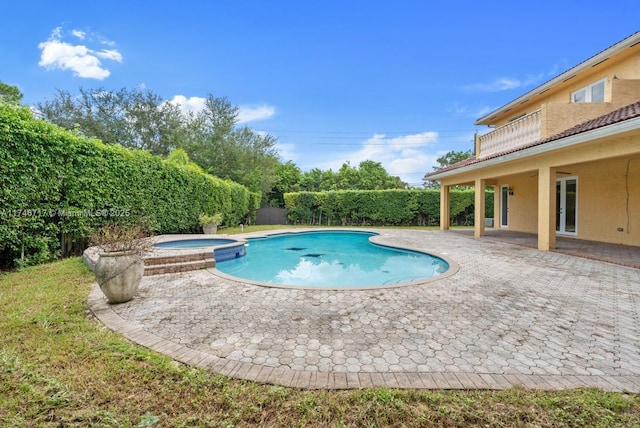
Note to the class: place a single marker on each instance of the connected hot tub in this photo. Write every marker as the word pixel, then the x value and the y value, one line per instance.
pixel 223 248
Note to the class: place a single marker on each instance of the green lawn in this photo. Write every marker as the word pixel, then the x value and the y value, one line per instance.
pixel 59 367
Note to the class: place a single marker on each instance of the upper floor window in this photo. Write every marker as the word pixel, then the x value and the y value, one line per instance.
pixel 594 93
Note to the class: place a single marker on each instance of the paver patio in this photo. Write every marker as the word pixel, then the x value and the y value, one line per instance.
pixel 511 315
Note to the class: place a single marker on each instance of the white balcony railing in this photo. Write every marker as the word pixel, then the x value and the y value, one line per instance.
pixel 518 133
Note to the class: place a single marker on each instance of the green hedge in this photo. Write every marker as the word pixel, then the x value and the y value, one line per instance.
pixel 57 187
pixel 381 207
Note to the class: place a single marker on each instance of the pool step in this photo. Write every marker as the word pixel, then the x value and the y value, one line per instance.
pixel 159 265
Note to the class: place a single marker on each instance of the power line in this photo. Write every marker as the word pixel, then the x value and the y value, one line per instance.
pixel 445 131
pixel 339 138
pixel 357 144
pixel 406 141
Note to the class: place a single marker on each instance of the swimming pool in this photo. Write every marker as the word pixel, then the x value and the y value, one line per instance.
pixel 330 259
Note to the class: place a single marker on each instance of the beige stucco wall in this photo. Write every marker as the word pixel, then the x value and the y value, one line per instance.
pixel 523 204
pixel 625 91
pixel 560 116
pixel 608 200
pixel 603 192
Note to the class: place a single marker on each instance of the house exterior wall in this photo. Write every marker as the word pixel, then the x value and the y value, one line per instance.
pixel 608 174
pixel 554 117
pixel 605 159
pixel 608 200
pixel 625 91
pixel 523 204
pixel 622 87
pixel 560 116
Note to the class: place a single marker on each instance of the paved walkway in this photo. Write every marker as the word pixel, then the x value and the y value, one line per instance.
pixel 625 255
pixel 511 315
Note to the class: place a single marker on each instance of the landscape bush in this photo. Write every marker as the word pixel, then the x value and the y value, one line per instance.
pixel 57 187
pixel 393 207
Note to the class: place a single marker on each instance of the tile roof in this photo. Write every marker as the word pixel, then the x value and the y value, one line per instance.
pixel 620 115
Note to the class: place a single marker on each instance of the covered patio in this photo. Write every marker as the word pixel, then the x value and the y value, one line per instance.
pixel 625 255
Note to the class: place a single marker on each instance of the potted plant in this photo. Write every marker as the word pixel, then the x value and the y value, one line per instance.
pixel 119 267
pixel 210 223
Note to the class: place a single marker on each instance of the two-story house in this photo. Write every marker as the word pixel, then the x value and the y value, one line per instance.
pixel 564 158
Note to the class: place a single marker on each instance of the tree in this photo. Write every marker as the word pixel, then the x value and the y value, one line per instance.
pixel 142 119
pixel 288 178
pixel 316 180
pixel 369 175
pixel 132 118
pixel 347 177
pixel 451 158
pixel 213 141
pixel 154 125
pixel 444 161
pixel 10 94
pixel 373 176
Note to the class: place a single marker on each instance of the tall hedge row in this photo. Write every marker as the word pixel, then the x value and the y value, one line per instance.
pixel 380 207
pixel 57 187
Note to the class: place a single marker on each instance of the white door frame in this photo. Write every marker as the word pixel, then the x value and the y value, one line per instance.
pixel 561 207
pixel 504 206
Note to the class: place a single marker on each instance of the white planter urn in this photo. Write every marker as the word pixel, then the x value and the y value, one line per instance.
pixel 210 229
pixel 118 274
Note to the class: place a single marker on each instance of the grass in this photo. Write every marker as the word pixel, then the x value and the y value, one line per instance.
pixel 60 367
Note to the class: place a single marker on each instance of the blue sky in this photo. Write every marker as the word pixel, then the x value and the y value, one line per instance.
pixel 399 82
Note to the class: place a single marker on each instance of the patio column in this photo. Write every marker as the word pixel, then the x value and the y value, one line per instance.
pixel 444 208
pixel 479 208
pixel 546 208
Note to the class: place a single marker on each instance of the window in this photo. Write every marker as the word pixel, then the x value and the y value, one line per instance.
pixel 593 93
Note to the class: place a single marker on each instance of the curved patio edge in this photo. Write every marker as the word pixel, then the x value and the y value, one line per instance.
pixel 346 380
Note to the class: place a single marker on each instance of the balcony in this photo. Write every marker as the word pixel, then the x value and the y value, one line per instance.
pixel 517 133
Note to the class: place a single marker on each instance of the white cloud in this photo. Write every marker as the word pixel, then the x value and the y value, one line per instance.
pixel 56 33
pixel 104 41
pixel 188 105
pixel 252 114
pixel 407 156
pixel 507 83
pixel 83 61
pixel 111 54
pixel 501 84
pixel 287 151
pixel 245 114
pixel 79 34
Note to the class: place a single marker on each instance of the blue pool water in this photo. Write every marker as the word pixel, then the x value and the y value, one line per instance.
pixel 330 259
pixel 194 243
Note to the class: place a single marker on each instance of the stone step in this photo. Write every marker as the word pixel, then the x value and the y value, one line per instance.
pixel 178 258
pixel 178 263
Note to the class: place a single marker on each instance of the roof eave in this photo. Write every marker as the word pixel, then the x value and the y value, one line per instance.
pixel 603 132
pixel 594 60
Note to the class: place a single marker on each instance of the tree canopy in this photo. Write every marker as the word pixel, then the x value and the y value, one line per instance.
pixel 211 139
pixel 452 157
pixel 133 118
pixel 10 94
pixel 445 160
pixel 141 119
